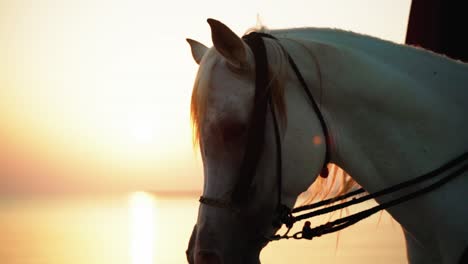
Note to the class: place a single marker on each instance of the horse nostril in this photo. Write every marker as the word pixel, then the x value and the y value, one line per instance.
pixel 207 257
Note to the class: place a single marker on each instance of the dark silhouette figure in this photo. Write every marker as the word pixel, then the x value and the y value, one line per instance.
pixel 440 26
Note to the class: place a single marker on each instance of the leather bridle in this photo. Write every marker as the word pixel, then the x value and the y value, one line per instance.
pixel 242 192
pixel 256 132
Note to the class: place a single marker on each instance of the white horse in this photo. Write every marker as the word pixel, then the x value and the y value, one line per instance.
pixel 393 112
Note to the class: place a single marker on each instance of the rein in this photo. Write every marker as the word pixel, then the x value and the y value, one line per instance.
pixel 284 215
pixel 341 223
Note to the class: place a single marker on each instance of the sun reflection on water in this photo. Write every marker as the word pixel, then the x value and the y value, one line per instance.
pixel 142 228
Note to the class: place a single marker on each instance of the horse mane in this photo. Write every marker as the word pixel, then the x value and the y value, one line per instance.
pixel 338 182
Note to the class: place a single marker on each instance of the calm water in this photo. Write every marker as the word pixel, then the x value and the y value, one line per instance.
pixel 140 228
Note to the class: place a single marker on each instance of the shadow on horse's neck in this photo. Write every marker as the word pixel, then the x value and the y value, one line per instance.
pixel 393 125
pixel 391 121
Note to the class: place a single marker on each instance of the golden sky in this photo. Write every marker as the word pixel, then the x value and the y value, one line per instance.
pixel 94 94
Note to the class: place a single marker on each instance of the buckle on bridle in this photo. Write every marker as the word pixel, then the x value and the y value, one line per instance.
pixel 283 216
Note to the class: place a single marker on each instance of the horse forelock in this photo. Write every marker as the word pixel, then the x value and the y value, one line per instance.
pixel 200 93
pixel 277 68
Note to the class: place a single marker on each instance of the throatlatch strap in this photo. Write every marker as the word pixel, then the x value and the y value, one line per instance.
pixel 324 172
pixel 326 134
pixel 256 130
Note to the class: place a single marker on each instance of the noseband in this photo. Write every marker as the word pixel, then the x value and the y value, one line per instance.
pixel 256 131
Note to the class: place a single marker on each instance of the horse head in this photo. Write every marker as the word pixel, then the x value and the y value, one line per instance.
pixel 234 225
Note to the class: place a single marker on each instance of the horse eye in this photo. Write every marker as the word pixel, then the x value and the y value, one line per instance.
pixel 232 131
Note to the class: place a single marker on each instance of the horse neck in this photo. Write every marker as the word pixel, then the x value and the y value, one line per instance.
pixel 394 111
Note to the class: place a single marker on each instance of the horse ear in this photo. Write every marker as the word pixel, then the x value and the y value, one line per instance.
pixel 227 43
pixel 198 50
